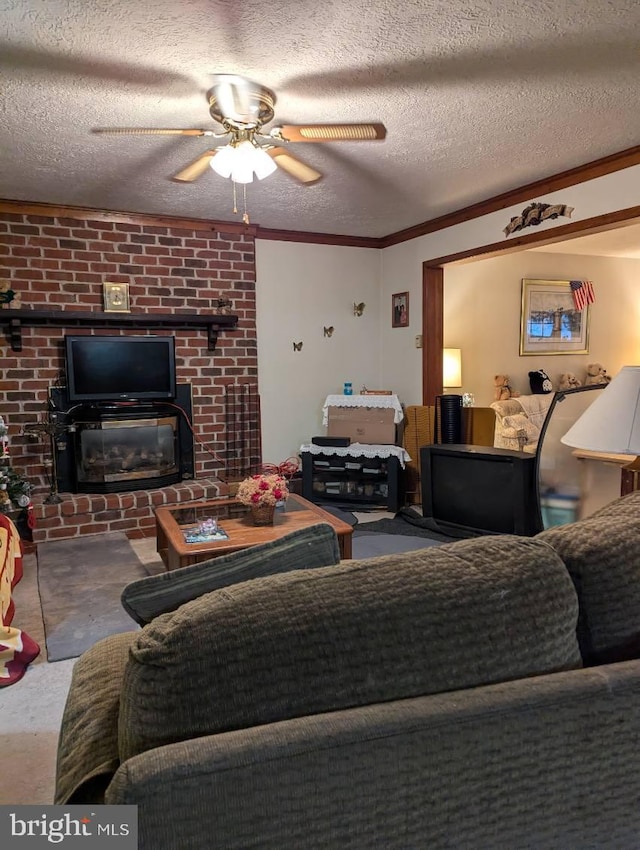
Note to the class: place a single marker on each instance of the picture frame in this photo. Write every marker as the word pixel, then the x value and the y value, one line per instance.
pixel 400 310
pixel 116 297
pixel 550 323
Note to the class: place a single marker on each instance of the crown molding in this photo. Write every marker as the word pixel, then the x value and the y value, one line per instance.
pixel 522 194
pixel 318 238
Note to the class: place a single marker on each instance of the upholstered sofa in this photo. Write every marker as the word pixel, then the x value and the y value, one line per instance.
pixel 478 694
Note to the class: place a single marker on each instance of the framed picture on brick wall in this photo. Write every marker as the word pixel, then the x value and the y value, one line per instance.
pixel 116 297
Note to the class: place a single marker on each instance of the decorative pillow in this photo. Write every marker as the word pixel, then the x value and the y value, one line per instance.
pixel 305 548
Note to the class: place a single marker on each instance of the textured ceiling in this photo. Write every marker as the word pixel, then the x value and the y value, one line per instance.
pixel 478 97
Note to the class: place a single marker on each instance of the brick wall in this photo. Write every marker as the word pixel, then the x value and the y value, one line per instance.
pixel 59 263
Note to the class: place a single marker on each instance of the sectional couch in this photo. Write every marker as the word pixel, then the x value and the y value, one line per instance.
pixel 479 694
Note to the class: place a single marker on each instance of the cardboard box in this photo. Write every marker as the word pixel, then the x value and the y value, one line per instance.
pixel 362 424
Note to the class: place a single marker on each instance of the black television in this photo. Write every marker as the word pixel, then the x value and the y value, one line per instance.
pixel 469 490
pixel 120 368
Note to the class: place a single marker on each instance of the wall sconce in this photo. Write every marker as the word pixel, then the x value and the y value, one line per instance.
pixel 358 309
pixel 451 367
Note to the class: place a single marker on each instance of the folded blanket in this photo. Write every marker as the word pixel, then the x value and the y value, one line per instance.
pixel 536 407
pixel 17 649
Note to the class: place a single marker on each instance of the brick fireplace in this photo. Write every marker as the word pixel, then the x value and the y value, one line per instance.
pixel 58 261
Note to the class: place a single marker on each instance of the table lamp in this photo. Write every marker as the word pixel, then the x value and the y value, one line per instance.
pixel 451 367
pixel 611 425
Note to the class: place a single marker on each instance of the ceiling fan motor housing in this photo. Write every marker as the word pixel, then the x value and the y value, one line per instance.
pixel 238 102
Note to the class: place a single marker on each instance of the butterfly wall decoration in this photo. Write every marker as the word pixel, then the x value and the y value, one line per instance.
pixel 297 346
pixel 358 309
pixel 329 331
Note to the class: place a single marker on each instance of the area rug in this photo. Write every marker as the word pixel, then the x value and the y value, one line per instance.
pixel 371 545
pixel 80 581
pixel 405 524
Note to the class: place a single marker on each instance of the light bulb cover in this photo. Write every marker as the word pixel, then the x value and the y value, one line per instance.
pixel 263 165
pixel 222 162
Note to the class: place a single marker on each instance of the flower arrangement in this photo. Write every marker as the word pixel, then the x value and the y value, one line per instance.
pixel 262 490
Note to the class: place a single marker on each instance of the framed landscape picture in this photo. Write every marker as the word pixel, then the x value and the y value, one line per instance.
pixel 400 310
pixel 550 323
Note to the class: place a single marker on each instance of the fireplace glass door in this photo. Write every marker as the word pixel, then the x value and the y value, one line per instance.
pixel 126 450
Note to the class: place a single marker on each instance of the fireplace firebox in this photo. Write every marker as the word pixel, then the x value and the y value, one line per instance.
pixel 110 449
pixel 113 447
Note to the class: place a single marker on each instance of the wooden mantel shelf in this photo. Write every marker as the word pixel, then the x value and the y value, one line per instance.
pixel 14 320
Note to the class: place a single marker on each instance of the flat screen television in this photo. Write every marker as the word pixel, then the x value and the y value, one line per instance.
pixel 120 368
pixel 479 490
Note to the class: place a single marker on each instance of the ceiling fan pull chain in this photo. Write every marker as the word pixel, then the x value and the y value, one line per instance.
pixel 235 199
pixel 245 215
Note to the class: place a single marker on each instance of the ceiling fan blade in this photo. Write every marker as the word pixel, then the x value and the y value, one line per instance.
pixel 196 168
pixel 148 131
pixel 293 166
pixel 331 132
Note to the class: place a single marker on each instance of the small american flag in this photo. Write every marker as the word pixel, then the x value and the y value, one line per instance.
pixel 583 294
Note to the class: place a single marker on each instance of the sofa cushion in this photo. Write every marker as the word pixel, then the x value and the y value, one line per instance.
pixel 361 632
pixel 315 546
pixel 602 556
pixel 88 742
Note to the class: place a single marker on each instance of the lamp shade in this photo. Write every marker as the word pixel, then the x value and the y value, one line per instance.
pixel 612 423
pixel 451 367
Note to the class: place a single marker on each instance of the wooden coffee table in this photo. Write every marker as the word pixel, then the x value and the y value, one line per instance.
pixel 233 517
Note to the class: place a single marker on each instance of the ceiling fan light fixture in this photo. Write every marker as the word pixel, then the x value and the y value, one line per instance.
pixel 240 160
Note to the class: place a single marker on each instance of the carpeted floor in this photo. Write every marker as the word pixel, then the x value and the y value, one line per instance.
pixel 80 581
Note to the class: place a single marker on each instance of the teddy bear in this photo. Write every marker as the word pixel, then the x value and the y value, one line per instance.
pixel 568 381
pixel 596 374
pixel 540 382
pixel 502 389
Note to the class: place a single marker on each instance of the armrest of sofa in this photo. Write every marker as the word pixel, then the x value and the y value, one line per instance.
pixel 547 761
pixel 88 744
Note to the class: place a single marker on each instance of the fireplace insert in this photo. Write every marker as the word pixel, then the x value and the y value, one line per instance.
pixel 108 447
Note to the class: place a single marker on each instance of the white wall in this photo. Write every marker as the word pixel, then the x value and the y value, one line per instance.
pixel 303 287
pixel 300 290
pixel 482 317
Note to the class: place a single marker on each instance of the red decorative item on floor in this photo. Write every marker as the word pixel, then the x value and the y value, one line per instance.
pixel 17 649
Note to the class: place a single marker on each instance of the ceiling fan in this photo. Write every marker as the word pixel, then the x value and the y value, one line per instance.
pixel 243 108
